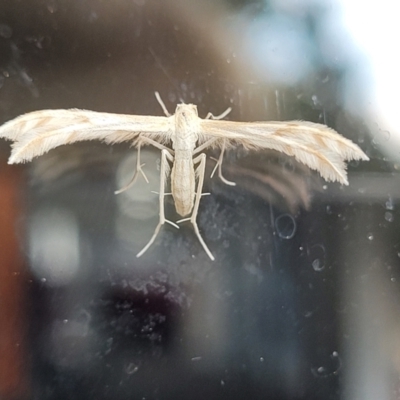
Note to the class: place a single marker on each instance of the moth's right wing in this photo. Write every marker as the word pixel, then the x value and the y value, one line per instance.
pixel 38 132
pixel 315 145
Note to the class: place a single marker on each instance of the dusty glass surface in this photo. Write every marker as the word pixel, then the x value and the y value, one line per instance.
pixel 302 301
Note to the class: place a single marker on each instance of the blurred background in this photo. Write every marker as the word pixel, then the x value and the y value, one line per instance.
pixel 302 301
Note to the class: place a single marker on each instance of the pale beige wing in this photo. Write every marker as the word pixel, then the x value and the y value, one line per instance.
pixel 315 145
pixel 38 132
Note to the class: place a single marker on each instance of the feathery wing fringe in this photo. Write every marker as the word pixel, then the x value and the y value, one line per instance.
pixel 38 132
pixel 314 145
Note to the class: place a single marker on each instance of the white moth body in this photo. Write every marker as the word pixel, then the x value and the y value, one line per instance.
pixel 182 138
pixel 183 183
pixel 183 143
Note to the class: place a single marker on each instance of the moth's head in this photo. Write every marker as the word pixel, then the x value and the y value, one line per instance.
pixel 186 121
pixel 186 111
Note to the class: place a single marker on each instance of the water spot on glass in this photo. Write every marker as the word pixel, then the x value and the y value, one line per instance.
pixel 317 254
pixel 288 165
pixel 380 135
pixel 225 244
pixel 5 31
pixel 131 368
pixel 253 270
pixel 261 359
pixel 328 209
pixel 285 226
pixel 332 367
pixel 324 187
pixel 172 97
pixel 393 279
pixel 44 280
pixel 44 42
pixel 386 135
pixel 315 100
pixel 41 42
pixel 389 216
pixel 317 265
pixel 109 343
pixel 198 358
pixel 52 7
pixel 370 236
pixel 26 78
pixel 308 314
pixel 65 321
pixel 389 204
pixel 93 16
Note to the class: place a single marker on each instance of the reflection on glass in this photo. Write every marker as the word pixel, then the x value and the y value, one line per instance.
pixel 54 246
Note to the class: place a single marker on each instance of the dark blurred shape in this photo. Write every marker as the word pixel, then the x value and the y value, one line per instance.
pixel 14 360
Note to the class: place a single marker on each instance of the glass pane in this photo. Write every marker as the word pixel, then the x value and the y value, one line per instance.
pixel 301 301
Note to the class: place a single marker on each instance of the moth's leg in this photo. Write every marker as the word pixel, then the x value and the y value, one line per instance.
pixel 160 146
pixel 223 115
pixel 139 166
pixel 165 156
pixel 161 103
pixel 219 161
pixel 135 175
pixel 201 169
pixel 204 146
pixel 219 165
pixel 188 218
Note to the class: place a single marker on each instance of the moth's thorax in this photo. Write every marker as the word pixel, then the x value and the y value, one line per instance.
pixel 187 125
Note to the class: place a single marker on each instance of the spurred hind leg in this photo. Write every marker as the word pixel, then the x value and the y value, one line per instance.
pixel 165 156
pixel 200 172
pixel 139 166
pixel 219 165
pixel 135 175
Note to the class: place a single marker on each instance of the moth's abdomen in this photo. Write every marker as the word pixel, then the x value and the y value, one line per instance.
pixel 183 185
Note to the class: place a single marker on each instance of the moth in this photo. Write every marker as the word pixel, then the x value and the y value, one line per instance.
pixel 182 139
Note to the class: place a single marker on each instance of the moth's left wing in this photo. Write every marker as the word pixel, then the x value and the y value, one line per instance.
pixel 38 132
pixel 315 145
